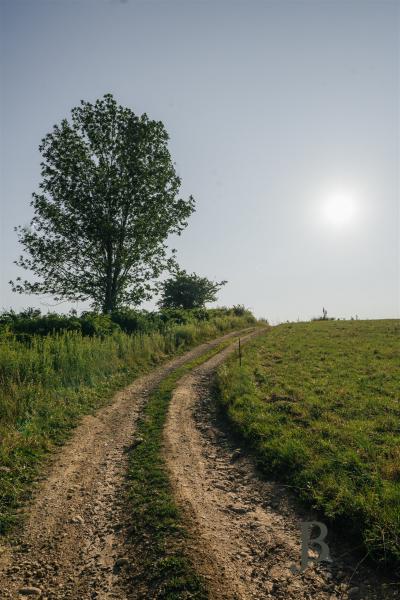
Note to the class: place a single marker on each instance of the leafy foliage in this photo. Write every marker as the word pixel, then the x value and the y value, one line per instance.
pixel 31 322
pixel 108 201
pixel 185 290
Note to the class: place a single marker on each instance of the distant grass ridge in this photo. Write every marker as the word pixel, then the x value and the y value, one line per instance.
pixel 319 405
pixel 48 382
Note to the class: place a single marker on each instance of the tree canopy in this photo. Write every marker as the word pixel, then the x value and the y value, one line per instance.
pixel 108 200
pixel 185 290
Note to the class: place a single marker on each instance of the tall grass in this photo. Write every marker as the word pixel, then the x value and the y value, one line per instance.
pixel 47 383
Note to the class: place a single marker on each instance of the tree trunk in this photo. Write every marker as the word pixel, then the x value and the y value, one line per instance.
pixel 108 295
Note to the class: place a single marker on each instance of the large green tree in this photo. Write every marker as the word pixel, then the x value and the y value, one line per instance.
pixel 108 201
pixel 184 290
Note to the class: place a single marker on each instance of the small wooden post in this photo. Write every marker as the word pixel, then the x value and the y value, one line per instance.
pixel 240 354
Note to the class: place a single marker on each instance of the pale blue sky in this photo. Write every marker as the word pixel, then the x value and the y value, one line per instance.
pixel 273 108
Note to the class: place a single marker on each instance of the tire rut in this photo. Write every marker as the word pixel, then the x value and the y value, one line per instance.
pixel 246 529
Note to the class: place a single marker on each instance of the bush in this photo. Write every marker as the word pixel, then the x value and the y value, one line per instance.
pixel 134 321
pixel 239 310
pixel 188 291
pixel 97 324
pixel 31 322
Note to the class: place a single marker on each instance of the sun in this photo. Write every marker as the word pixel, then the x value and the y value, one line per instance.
pixel 339 209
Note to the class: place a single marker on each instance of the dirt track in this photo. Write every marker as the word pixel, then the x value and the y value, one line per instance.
pixel 246 531
pixel 76 527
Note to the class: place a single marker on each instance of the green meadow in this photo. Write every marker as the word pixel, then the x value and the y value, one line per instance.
pixel 318 403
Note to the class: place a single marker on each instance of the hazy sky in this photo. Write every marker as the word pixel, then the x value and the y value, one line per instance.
pixel 284 125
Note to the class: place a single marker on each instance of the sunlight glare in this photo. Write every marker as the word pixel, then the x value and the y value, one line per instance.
pixel 339 209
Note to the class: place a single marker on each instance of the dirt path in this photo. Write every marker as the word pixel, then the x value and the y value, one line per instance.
pixel 73 542
pixel 246 531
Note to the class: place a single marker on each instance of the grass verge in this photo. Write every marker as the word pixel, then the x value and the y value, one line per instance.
pixel 165 570
pixel 318 404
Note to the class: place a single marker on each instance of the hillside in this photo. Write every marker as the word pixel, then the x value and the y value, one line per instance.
pixel 319 405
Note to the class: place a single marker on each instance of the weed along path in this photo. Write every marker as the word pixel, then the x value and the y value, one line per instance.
pixel 245 532
pixel 74 541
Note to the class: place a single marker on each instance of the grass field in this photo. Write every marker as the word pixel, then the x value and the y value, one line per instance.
pixel 319 405
pixel 47 383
